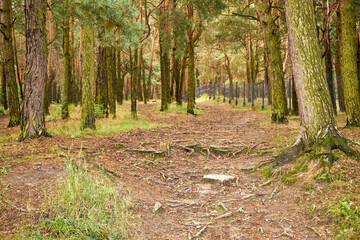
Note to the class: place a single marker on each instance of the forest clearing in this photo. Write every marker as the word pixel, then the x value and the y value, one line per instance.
pixel 179 119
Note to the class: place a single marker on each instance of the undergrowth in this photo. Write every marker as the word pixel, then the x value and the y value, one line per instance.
pixel 347 215
pixel 86 205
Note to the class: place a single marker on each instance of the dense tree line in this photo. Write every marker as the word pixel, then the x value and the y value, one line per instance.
pixel 99 53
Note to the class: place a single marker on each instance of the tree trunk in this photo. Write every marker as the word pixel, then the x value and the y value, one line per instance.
pixel 191 76
pixel 133 66
pixel 110 70
pixel 338 62
pixel 295 106
pixel 272 47
pixel 33 119
pixel 315 106
pixel 3 88
pixel 120 78
pixel 67 67
pixel 153 43
pixel 143 79
pixel 88 78
pixel 349 64
pixel 101 82
pixel 8 61
pixel 138 78
pixel 328 54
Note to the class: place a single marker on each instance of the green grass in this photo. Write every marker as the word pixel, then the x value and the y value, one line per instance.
pixel 173 108
pixel 347 215
pixel 86 205
pixel 104 126
pixel 2 111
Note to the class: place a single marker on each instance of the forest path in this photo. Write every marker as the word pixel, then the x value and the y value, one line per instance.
pixel 191 207
pixel 225 141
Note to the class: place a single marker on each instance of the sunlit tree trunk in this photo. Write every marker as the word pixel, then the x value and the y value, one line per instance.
pixel 153 43
pixel 349 64
pixel 32 118
pixel 67 67
pixel 8 67
pixel 88 78
pixel 315 106
pixel 338 62
pixel 272 47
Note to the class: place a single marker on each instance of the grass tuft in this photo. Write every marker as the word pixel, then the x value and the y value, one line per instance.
pixel 87 205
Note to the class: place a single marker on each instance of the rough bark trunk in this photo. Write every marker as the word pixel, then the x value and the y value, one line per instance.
pixel 110 70
pixel 328 54
pixel 315 106
pixel 349 64
pixel 153 43
pixel 67 68
pixel 272 48
pixel 120 78
pixel 338 62
pixel 101 82
pixel 8 61
pixel 133 66
pixel 88 78
pixel 3 89
pixel 33 119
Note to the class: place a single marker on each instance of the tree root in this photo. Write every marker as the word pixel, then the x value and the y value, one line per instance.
pixel 326 147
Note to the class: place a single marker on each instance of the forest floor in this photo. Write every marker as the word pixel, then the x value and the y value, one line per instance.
pixel 176 155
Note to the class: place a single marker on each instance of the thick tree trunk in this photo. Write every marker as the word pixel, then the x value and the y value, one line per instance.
pixel 110 70
pixel 272 47
pixel 191 77
pixel 349 64
pixel 338 63
pixel 33 119
pixel 328 54
pixel 101 82
pixel 8 61
pixel 88 78
pixel 315 106
pixel 67 67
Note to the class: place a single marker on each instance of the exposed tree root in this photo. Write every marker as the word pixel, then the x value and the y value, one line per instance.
pixel 324 149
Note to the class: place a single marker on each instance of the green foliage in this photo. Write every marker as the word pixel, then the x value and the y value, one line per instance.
pixel 2 111
pixel 88 205
pixel 267 172
pixel 348 218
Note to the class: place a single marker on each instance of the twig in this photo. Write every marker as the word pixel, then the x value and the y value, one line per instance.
pixel 104 169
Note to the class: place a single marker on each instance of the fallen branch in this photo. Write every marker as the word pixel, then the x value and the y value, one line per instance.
pixel 104 169
pixel 144 151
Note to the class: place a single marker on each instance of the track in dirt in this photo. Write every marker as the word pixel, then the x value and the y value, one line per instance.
pixel 221 141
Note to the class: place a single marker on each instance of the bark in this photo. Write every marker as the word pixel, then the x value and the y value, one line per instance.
pixel 328 54
pixel 101 82
pixel 248 66
pixel 88 101
pixel 338 62
pixel 67 67
pixel 110 77
pixel 272 48
pixel 164 55
pixel 33 119
pixel 8 61
pixel 349 64
pixel 120 78
pixel 315 106
pixel 73 90
pixel 3 89
pixel 133 66
pixel 143 80
pixel 182 77
pixel 153 43
pixel 138 78
pixel 295 106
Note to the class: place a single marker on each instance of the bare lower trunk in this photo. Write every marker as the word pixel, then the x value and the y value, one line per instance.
pixel 33 119
pixel 338 61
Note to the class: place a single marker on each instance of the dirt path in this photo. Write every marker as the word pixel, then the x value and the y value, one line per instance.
pixel 191 207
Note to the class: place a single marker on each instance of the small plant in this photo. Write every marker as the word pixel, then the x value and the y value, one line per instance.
pixel 348 219
pixel 2 111
pixel 87 206
pixel 267 172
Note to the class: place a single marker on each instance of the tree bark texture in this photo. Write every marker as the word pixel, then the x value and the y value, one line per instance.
pixel 272 48
pixel 133 65
pixel 328 54
pixel 67 67
pixel 349 64
pixel 110 77
pixel 315 106
pixel 88 78
pixel 9 61
pixel 33 119
pixel 338 63
pixel 3 88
